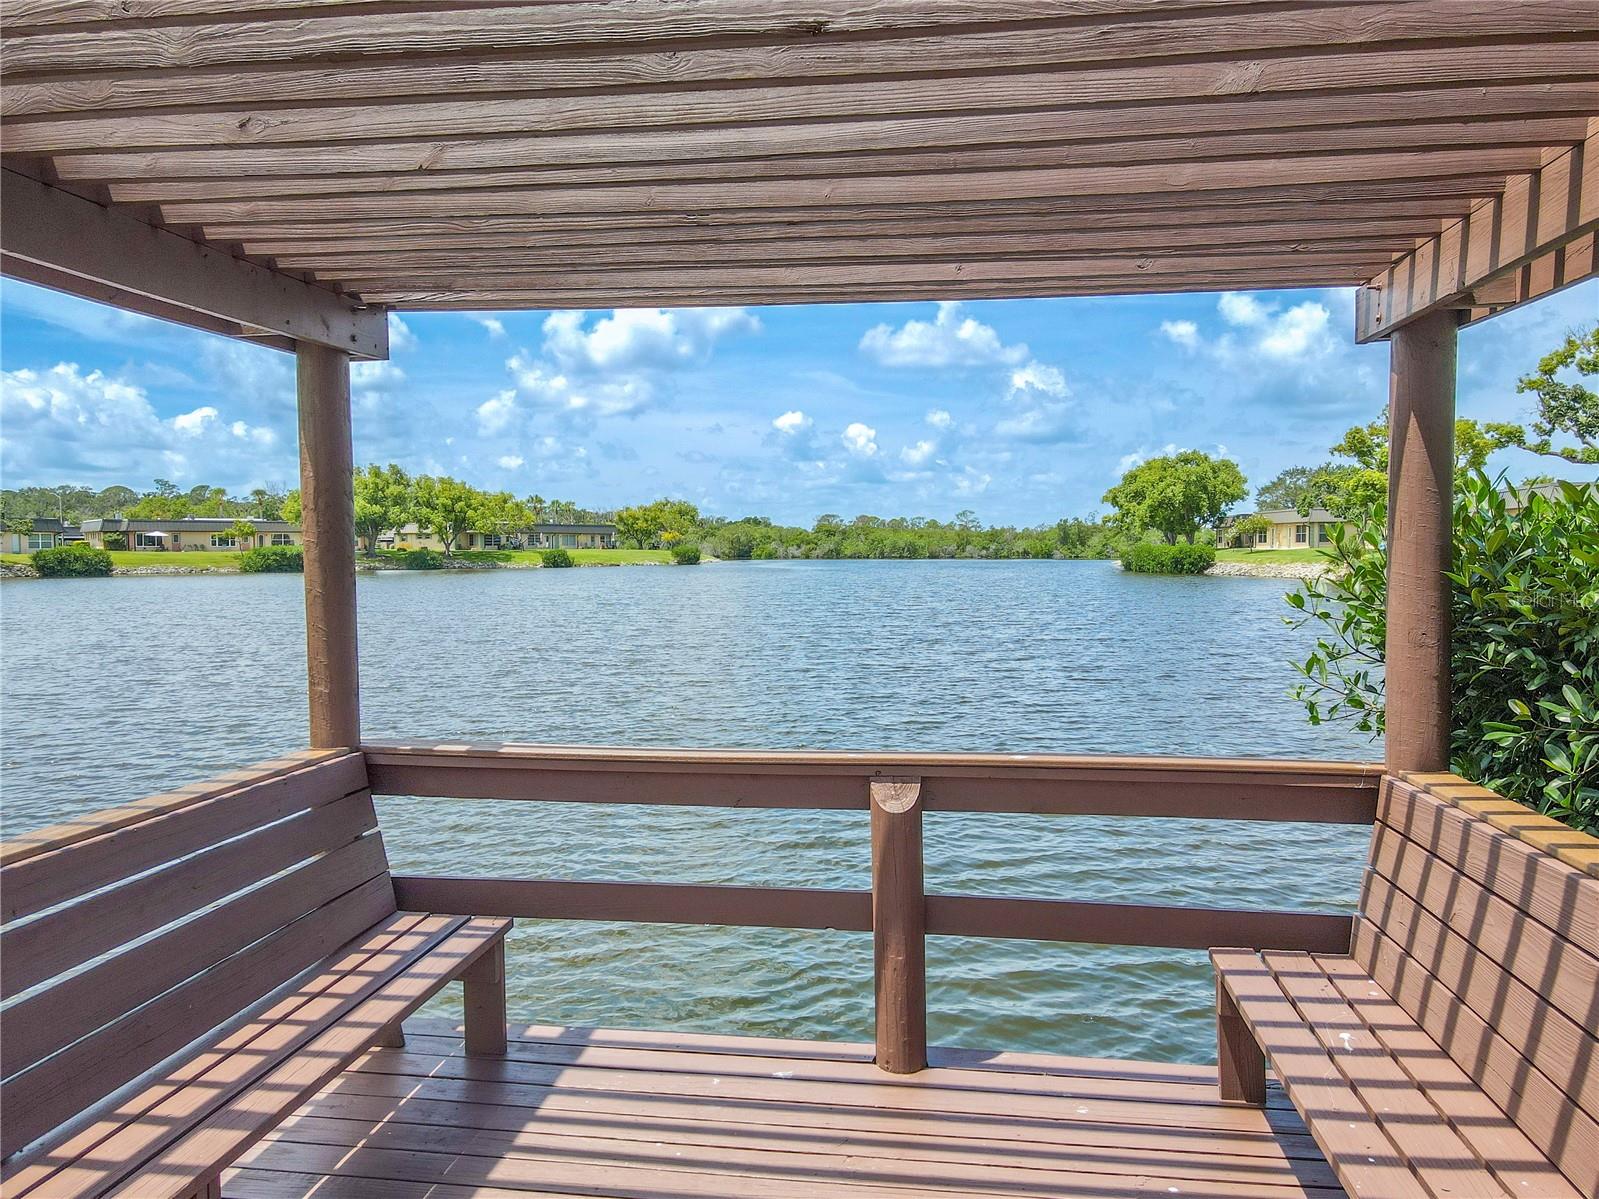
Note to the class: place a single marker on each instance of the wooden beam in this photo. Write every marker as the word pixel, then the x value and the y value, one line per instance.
pixel 899 922
pixel 488 68
pixel 327 501
pixel 57 239
pixel 1216 789
pixel 1060 921
pixel 1420 541
pixel 395 151
pixel 1538 213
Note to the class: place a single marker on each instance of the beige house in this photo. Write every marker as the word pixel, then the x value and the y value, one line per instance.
pixel 1294 530
pixel 535 537
pixel 38 533
pixel 190 533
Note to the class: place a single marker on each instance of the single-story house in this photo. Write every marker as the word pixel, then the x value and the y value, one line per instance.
pixel 534 537
pixel 1294 530
pixel 190 533
pixel 41 533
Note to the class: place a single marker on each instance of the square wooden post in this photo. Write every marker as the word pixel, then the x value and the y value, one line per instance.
pixel 327 503
pixel 1240 1065
pixel 483 986
pixel 1421 475
pixel 899 921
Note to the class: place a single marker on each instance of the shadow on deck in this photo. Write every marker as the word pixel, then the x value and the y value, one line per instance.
pixel 616 1113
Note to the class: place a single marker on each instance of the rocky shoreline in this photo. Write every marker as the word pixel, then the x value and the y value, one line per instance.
pixel 1269 570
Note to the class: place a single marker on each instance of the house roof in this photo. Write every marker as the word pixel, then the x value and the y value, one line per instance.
pixel 187 524
pixel 587 154
pixel 41 524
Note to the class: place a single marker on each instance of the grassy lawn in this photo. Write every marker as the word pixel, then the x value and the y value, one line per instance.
pixel 1269 556
pixel 579 557
pixel 122 559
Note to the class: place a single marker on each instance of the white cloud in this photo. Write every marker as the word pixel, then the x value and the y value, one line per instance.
pixel 791 423
pixel 948 340
pixel 916 455
pixel 1037 377
pixel 495 414
pixel 860 440
pixel 1239 308
pixel 401 339
pixel 642 338
pixel 494 326
pixel 510 461
pixel 1184 333
pixel 940 418
pixel 194 423
pixel 1300 330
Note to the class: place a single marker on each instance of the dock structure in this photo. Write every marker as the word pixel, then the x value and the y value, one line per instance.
pixel 209 993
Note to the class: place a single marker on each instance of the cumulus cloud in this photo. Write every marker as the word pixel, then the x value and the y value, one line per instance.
pixel 940 418
pixel 792 423
pixel 193 423
pixel 860 439
pixel 510 461
pixel 401 339
pixel 493 325
pixel 642 338
pixel 1184 333
pixel 1037 377
pixel 950 339
pixel 494 415
pixel 919 453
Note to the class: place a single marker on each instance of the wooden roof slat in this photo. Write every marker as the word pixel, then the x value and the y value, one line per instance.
pixel 1534 135
pixel 1217 34
pixel 468 28
pixel 1271 115
pixel 1454 67
pixel 1423 171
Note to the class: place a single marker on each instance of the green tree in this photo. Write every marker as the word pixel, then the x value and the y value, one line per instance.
pixel 242 532
pixel 384 498
pixel 1247 529
pixel 645 524
pixel 1565 409
pixel 290 509
pixel 1177 495
pixel 447 508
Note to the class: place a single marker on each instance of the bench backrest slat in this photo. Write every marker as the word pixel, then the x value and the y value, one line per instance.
pixel 1492 945
pixel 122 944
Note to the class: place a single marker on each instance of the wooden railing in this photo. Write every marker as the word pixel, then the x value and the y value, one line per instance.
pixel 897 789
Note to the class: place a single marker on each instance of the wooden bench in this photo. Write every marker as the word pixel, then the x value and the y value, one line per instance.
pixel 184 971
pixel 1453 1051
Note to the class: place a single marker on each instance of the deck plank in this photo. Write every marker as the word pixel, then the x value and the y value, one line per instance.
pixel 617 1113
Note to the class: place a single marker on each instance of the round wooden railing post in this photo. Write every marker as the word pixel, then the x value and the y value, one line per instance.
pixel 327 503
pixel 899 922
pixel 1421 471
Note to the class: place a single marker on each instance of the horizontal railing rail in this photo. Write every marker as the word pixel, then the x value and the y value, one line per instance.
pixel 897 789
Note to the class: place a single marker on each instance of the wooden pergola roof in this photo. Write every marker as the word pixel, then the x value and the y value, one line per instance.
pixel 423 154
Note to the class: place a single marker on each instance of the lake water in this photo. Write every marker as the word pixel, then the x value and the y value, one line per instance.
pixel 121 687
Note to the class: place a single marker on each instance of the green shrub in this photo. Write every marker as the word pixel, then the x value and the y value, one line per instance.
pixel 273 559
pixel 1524 643
pixel 556 558
pixel 78 560
pixel 1152 558
pixel 686 555
pixel 115 541
pixel 421 559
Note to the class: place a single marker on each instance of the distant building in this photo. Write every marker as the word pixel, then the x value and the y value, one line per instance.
pixel 190 533
pixel 43 533
pixel 534 537
pixel 1294 530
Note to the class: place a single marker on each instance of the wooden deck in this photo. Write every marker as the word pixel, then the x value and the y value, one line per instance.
pixel 586 1112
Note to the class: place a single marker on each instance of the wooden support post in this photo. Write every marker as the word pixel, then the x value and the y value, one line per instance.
pixel 1240 1065
pixel 327 503
pixel 899 921
pixel 1420 540
pixel 483 986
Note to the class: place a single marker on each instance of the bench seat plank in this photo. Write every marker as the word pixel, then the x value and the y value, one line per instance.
pixel 1367 1162
pixel 131 1126
pixel 1515 1160
pixel 223 1136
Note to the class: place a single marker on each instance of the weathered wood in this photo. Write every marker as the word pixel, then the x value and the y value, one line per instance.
pixel 899 921
pixel 61 240
pixel 1538 214
pixel 327 500
pixel 1421 465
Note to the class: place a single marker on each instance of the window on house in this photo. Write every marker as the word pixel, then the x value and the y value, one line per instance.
pixel 221 541
pixel 41 541
pixel 148 541
pixel 1301 534
pixel 1260 538
pixel 1324 535
pixel 285 539
pixel 492 541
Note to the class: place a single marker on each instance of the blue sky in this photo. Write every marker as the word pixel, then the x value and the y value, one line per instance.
pixel 1020 410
